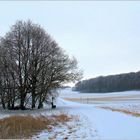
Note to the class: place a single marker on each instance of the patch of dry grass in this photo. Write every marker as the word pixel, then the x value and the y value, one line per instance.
pixel 17 127
pixel 136 114
pixel 63 118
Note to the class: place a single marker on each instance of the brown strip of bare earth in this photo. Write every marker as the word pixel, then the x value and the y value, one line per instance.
pixel 136 114
pixel 100 100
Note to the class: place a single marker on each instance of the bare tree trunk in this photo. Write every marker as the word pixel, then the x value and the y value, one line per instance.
pixel 33 92
pixel 22 100
pixel 33 100
pixel 13 100
pixel 22 107
pixel 40 105
pixel 3 103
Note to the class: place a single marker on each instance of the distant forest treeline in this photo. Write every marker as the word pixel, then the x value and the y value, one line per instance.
pixel 111 83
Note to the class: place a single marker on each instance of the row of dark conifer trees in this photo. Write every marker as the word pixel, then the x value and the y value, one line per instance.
pixel 112 83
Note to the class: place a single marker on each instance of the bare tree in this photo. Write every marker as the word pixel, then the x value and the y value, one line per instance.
pixel 32 66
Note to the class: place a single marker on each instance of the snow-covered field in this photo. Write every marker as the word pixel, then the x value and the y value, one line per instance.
pixel 98 123
pixel 93 122
pixel 101 98
pixel 77 129
pixel 67 92
pixel 108 124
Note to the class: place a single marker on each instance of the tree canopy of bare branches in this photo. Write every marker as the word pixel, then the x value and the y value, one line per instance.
pixel 32 66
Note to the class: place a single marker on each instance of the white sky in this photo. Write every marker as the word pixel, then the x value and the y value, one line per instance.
pixel 104 36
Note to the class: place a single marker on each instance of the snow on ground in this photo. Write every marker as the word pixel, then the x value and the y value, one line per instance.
pixel 77 129
pixel 108 124
pixel 101 98
pixel 131 107
pixel 93 122
pixel 73 130
pixel 68 93
pixel 96 123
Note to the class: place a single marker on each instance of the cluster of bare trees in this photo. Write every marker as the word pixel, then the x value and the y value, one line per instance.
pixel 32 66
pixel 112 83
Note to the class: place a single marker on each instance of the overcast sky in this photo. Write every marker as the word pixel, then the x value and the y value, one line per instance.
pixel 104 36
